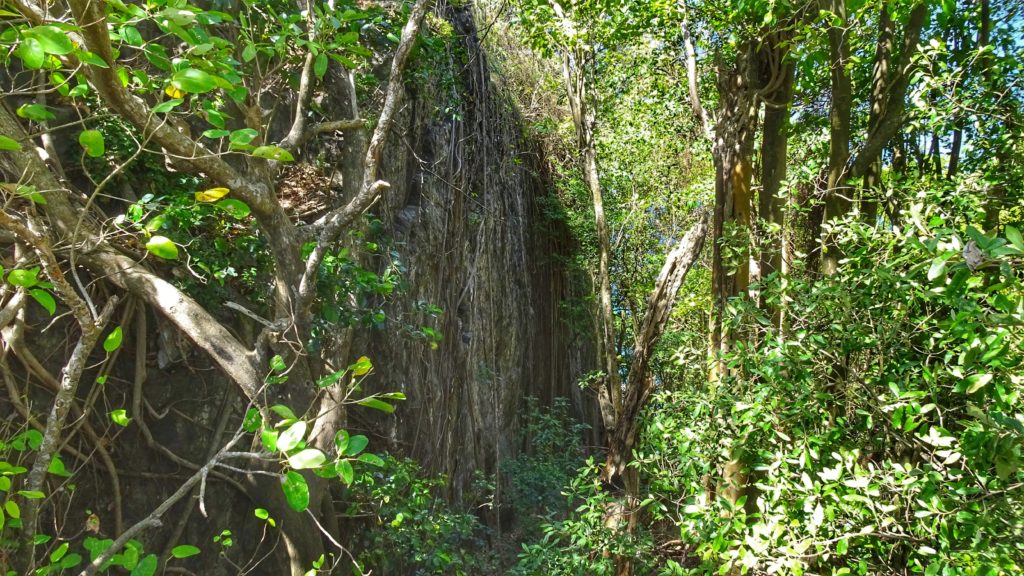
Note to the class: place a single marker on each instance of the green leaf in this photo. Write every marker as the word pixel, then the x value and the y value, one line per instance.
pixel 236 208
pixel 213 134
pixel 157 56
pixel 1015 238
pixel 59 553
pixel 308 458
pixel 273 153
pixel 976 382
pixel 57 467
pixel 9 143
pixel 12 509
pixel 341 440
pixel 24 278
pixel 371 459
pixel 35 112
pixel 53 40
pixel 291 437
pixel 113 340
pixel 120 417
pixel 31 53
pixel 252 420
pixel 92 141
pixel 283 411
pixel 269 438
pixel 93 59
pixel 938 267
pixel 243 136
pixel 356 444
pixel 31 494
pixel 262 514
pixel 296 492
pixel 70 561
pixel 167 105
pixel 344 468
pixel 147 566
pixel 45 299
pixel 162 247
pixel 277 363
pixel 248 53
pixel 377 405
pixel 184 551
pixel 193 81
pixel 320 65
pixel 131 36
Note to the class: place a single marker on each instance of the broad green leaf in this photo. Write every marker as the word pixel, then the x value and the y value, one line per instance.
pixel 120 417
pixel 273 153
pixel 243 136
pixel 131 36
pixel 283 411
pixel 35 112
pixel 184 551
pixel 341 440
pixel 167 105
pixel 24 278
pixel 295 491
pixel 45 299
pixel 213 134
pixel 248 53
pixel 356 444
pixel 53 40
pixel 31 53
pixel 12 509
pixel 976 382
pixel 70 561
pixel 308 458
pixel 59 553
pixel 92 59
pixel 162 247
pixel 31 494
pixel 938 267
pixel 377 405
pixel 320 65
pixel 371 459
pixel 269 438
pixel 92 141
pixel 344 468
pixel 1015 238
pixel 113 340
pixel 291 437
pixel 236 208
pixel 147 566
pixel 252 421
pixel 9 143
pixel 57 467
pixel 193 81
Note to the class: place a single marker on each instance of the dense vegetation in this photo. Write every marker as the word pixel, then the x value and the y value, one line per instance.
pixel 781 264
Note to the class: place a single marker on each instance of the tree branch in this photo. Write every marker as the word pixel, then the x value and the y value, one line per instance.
pixel 895 103
pixel 372 187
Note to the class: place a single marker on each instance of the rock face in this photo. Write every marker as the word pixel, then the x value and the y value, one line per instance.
pixel 470 224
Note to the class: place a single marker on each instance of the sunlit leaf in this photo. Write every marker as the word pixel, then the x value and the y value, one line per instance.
pixel 162 247
pixel 296 492
pixel 211 195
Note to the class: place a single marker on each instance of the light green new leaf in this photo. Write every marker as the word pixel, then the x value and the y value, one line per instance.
pixel 24 278
pixel 9 143
pixel 113 340
pixel 236 208
pixel 184 551
pixel 162 247
pixel 36 112
pixel 120 417
pixel 45 299
pixel 273 153
pixel 92 141
pixel 1015 238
